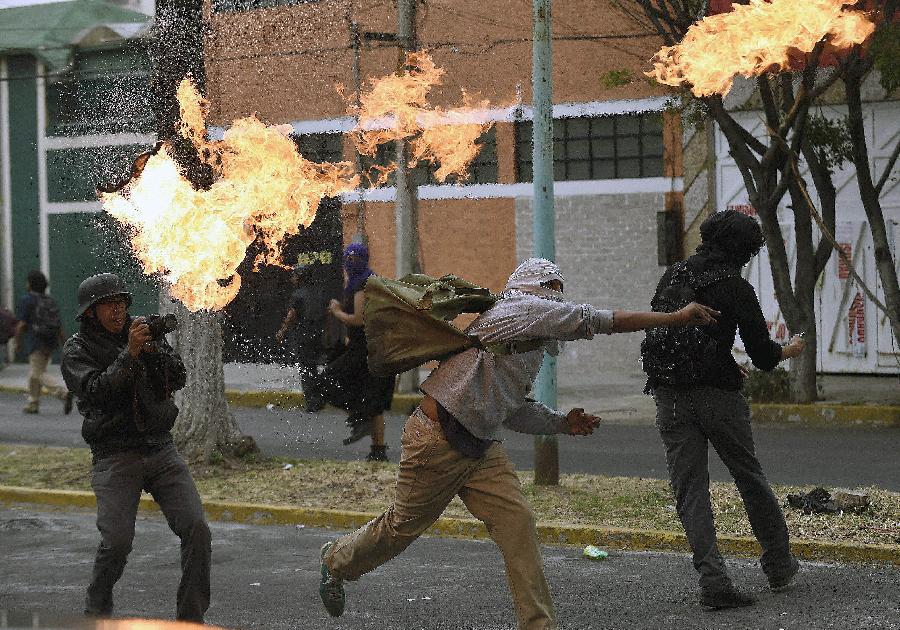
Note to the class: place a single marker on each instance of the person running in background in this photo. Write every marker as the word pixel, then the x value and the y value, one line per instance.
pixel 40 327
pixel 346 382
pixel 307 310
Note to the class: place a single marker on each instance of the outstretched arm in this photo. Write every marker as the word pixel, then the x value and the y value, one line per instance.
pixel 693 314
pixel 288 323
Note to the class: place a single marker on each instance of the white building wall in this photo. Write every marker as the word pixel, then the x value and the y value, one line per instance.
pixel 853 335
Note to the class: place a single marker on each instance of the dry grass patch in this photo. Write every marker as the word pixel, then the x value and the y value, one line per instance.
pixel 367 487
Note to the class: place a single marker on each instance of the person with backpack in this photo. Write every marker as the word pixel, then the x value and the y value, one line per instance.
pixel 450 444
pixel 696 384
pixel 40 326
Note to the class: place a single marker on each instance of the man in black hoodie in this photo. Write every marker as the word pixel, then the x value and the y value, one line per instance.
pixel 124 379
pixel 696 384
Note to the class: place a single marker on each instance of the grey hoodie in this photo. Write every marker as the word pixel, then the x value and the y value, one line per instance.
pixel 483 390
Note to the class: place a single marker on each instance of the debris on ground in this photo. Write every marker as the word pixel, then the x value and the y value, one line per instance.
pixel 594 553
pixel 851 501
pixel 820 501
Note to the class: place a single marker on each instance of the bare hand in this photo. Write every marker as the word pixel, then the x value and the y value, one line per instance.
pixel 695 314
pixel 280 335
pixel 794 347
pixel 743 370
pixel 581 423
pixel 139 337
pixel 334 306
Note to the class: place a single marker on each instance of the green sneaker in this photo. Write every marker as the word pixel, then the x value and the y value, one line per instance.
pixel 331 589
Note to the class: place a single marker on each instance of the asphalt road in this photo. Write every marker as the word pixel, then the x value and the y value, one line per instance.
pixel 832 457
pixel 267 577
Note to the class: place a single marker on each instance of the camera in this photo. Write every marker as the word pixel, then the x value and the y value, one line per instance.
pixel 160 325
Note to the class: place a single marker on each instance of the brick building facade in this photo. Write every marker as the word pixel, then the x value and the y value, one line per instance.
pixel 618 158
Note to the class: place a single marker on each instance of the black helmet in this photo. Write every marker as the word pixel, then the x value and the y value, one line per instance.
pixel 96 288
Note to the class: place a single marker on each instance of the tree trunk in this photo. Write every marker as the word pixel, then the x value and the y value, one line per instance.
pixel 205 424
pixel 803 372
pixel 884 261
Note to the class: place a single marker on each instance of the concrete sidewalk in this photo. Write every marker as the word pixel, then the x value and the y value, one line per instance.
pixel 848 399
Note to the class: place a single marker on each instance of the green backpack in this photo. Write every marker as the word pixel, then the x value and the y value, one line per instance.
pixel 407 321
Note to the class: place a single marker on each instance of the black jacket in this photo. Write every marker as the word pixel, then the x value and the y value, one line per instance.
pixel 736 299
pixel 126 402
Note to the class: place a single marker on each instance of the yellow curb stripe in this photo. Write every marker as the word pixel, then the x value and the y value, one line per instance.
pixel 828 414
pixel 548 533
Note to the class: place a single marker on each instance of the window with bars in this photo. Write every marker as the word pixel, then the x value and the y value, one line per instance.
pixel 483 169
pixel 604 147
pixel 222 6
pixel 320 147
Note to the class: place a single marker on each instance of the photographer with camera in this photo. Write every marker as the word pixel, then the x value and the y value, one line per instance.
pixel 123 373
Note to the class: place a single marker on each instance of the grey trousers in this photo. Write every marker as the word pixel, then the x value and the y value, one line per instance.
pixel 118 481
pixel 687 421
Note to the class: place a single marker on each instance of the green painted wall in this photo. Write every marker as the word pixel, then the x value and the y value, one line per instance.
pixel 24 196
pixel 82 244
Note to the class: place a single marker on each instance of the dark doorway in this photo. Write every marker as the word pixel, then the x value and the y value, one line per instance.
pixel 254 316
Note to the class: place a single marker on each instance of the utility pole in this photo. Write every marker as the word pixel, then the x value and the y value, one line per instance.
pixel 355 43
pixel 546 448
pixel 405 205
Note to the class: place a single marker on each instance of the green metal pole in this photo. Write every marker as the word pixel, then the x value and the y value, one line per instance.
pixel 546 449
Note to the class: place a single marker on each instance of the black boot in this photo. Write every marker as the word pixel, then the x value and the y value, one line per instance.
pixel 378 454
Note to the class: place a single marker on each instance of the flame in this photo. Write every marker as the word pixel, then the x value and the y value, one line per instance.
pixel 396 108
pixel 755 38
pixel 195 239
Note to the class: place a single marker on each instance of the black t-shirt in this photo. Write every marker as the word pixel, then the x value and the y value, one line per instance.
pixel 736 299
pixel 310 302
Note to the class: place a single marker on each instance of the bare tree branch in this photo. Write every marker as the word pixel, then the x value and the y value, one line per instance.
pixel 830 237
pixel 770 107
pixel 887 170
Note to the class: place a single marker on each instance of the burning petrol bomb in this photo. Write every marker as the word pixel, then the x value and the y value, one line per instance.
pixel 762 36
pixel 263 190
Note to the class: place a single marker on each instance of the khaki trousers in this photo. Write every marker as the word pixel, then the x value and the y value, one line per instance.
pixel 431 474
pixel 38 377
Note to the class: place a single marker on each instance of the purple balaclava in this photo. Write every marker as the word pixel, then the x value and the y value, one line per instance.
pixel 356 264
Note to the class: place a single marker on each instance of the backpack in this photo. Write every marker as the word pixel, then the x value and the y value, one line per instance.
pixel 680 355
pixel 7 325
pixel 45 322
pixel 407 321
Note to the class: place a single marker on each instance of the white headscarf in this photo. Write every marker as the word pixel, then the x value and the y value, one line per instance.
pixel 532 275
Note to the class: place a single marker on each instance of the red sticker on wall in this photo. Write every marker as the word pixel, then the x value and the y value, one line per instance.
pixel 843 269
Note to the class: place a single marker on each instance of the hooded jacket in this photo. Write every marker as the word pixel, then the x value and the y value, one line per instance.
pixel 126 402
pixel 482 390
pixel 730 240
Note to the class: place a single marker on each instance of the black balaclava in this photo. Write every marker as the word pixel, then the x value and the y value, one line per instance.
pixel 730 238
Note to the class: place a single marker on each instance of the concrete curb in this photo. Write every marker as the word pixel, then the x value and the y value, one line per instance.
pixel 401 403
pixel 814 414
pixel 550 534
pixel 828 414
